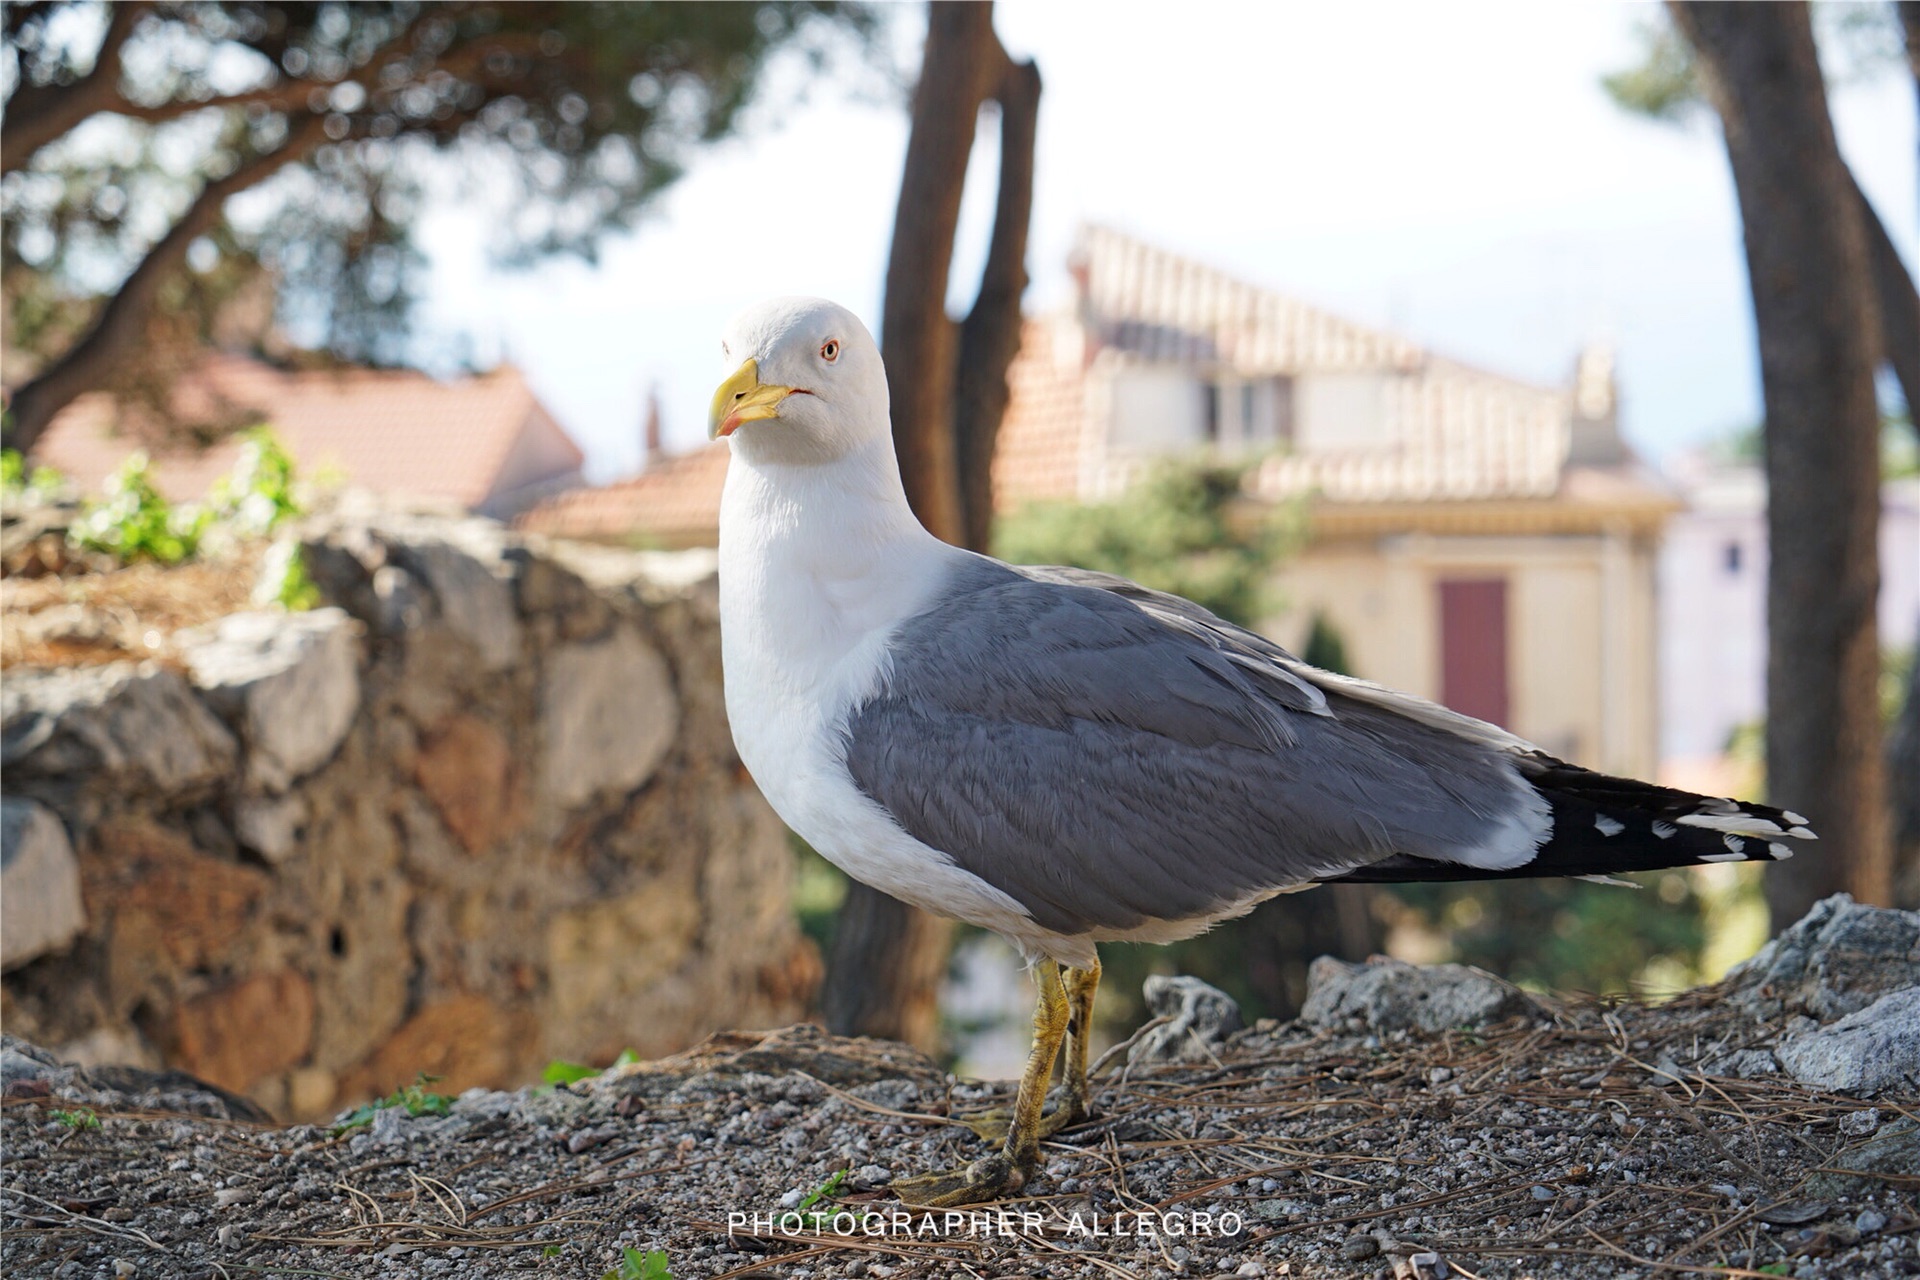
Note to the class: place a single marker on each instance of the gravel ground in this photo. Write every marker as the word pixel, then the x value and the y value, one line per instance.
pixel 1589 1142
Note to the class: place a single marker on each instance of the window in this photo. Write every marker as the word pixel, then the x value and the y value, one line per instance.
pixel 1211 420
pixel 1731 558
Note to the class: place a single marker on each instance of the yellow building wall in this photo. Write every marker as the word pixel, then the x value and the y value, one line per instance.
pixel 1580 629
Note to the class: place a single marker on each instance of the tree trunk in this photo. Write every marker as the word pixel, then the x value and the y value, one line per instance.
pixel 949 392
pixel 1903 774
pixel 961 62
pixel 89 362
pixel 1900 330
pixel 1808 268
pixel 884 971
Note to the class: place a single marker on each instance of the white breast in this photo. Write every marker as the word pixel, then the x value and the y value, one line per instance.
pixel 812 587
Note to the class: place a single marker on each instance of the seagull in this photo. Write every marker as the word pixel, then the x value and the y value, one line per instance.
pixel 1068 758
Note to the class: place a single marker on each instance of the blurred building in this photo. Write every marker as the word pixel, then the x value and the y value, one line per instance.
pixel 482 443
pixel 674 503
pixel 1713 615
pixel 1474 539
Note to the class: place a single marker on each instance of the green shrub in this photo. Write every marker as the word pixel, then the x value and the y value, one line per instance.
pixel 136 523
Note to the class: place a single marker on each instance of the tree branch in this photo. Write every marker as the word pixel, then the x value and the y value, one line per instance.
pixel 88 362
pixel 990 337
pixel 37 114
pixel 1909 11
pixel 1899 304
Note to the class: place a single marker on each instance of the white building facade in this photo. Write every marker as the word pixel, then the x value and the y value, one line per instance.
pixel 1713 606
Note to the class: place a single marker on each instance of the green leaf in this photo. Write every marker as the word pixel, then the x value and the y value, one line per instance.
pixel 635 1265
pixel 559 1072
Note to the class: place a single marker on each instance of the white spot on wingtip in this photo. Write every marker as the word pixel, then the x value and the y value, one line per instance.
pixel 1793 817
pixel 1723 857
pixel 1740 824
pixel 1607 826
pixel 1733 843
pixel 1803 833
pixel 1780 852
pixel 1665 830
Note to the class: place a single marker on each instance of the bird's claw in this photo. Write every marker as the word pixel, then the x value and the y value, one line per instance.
pixel 992 1126
pixel 988 1178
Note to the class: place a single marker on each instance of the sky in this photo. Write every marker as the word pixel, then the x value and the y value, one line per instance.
pixel 1452 172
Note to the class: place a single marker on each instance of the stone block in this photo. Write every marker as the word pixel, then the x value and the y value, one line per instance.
pixel 475 603
pixel 1392 995
pixel 164 901
pixel 464 1040
pixel 607 955
pixel 290 682
pixel 122 724
pixel 310 1093
pixel 270 825
pixel 40 904
pixel 466 770
pixel 607 716
pixel 240 1033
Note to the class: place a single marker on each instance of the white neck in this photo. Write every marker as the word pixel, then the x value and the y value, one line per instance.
pixel 817 562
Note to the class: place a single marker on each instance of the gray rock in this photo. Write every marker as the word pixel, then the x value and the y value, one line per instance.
pixel 1392 995
pixel 475 603
pixel 1838 959
pixel 607 716
pixel 269 825
pixel 1866 1052
pixel 1895 1151
pixel 291 682
pixel 1203 1017
pixel 40 905
pixel 402 600
pixel 123 724
pixel 1744 1064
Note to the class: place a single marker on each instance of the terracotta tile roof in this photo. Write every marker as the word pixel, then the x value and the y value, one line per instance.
pixel 1450 431
pixel 1147 303
pixel 391 431
pixel 674 502
pixel 1455 432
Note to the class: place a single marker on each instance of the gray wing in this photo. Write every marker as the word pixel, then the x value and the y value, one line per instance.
pixel 1109 756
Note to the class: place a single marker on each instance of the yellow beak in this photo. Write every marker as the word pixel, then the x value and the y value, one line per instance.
pixel 744 398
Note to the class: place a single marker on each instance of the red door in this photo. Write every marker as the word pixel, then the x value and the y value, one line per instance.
pixel 1473 647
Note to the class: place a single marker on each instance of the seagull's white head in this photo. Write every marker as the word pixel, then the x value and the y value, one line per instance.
pixel 807 384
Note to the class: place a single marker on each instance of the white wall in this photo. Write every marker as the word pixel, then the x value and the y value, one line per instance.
pixel 1713 619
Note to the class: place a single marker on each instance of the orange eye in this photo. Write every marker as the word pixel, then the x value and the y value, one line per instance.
pixel 830 350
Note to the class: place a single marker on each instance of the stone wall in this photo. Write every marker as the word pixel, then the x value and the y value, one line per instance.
pixel 479 812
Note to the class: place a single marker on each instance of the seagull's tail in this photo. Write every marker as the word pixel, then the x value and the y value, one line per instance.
pixel 1603 826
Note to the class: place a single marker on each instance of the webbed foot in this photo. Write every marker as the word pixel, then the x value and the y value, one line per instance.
pixel 988 1178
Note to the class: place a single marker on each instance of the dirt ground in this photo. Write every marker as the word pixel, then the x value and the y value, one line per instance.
pixel 1589 1142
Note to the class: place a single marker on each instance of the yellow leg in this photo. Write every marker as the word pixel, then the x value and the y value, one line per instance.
pixel 1051 1015
pixel 1006 1172
pixel 1077 1105
pixel 1082 984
